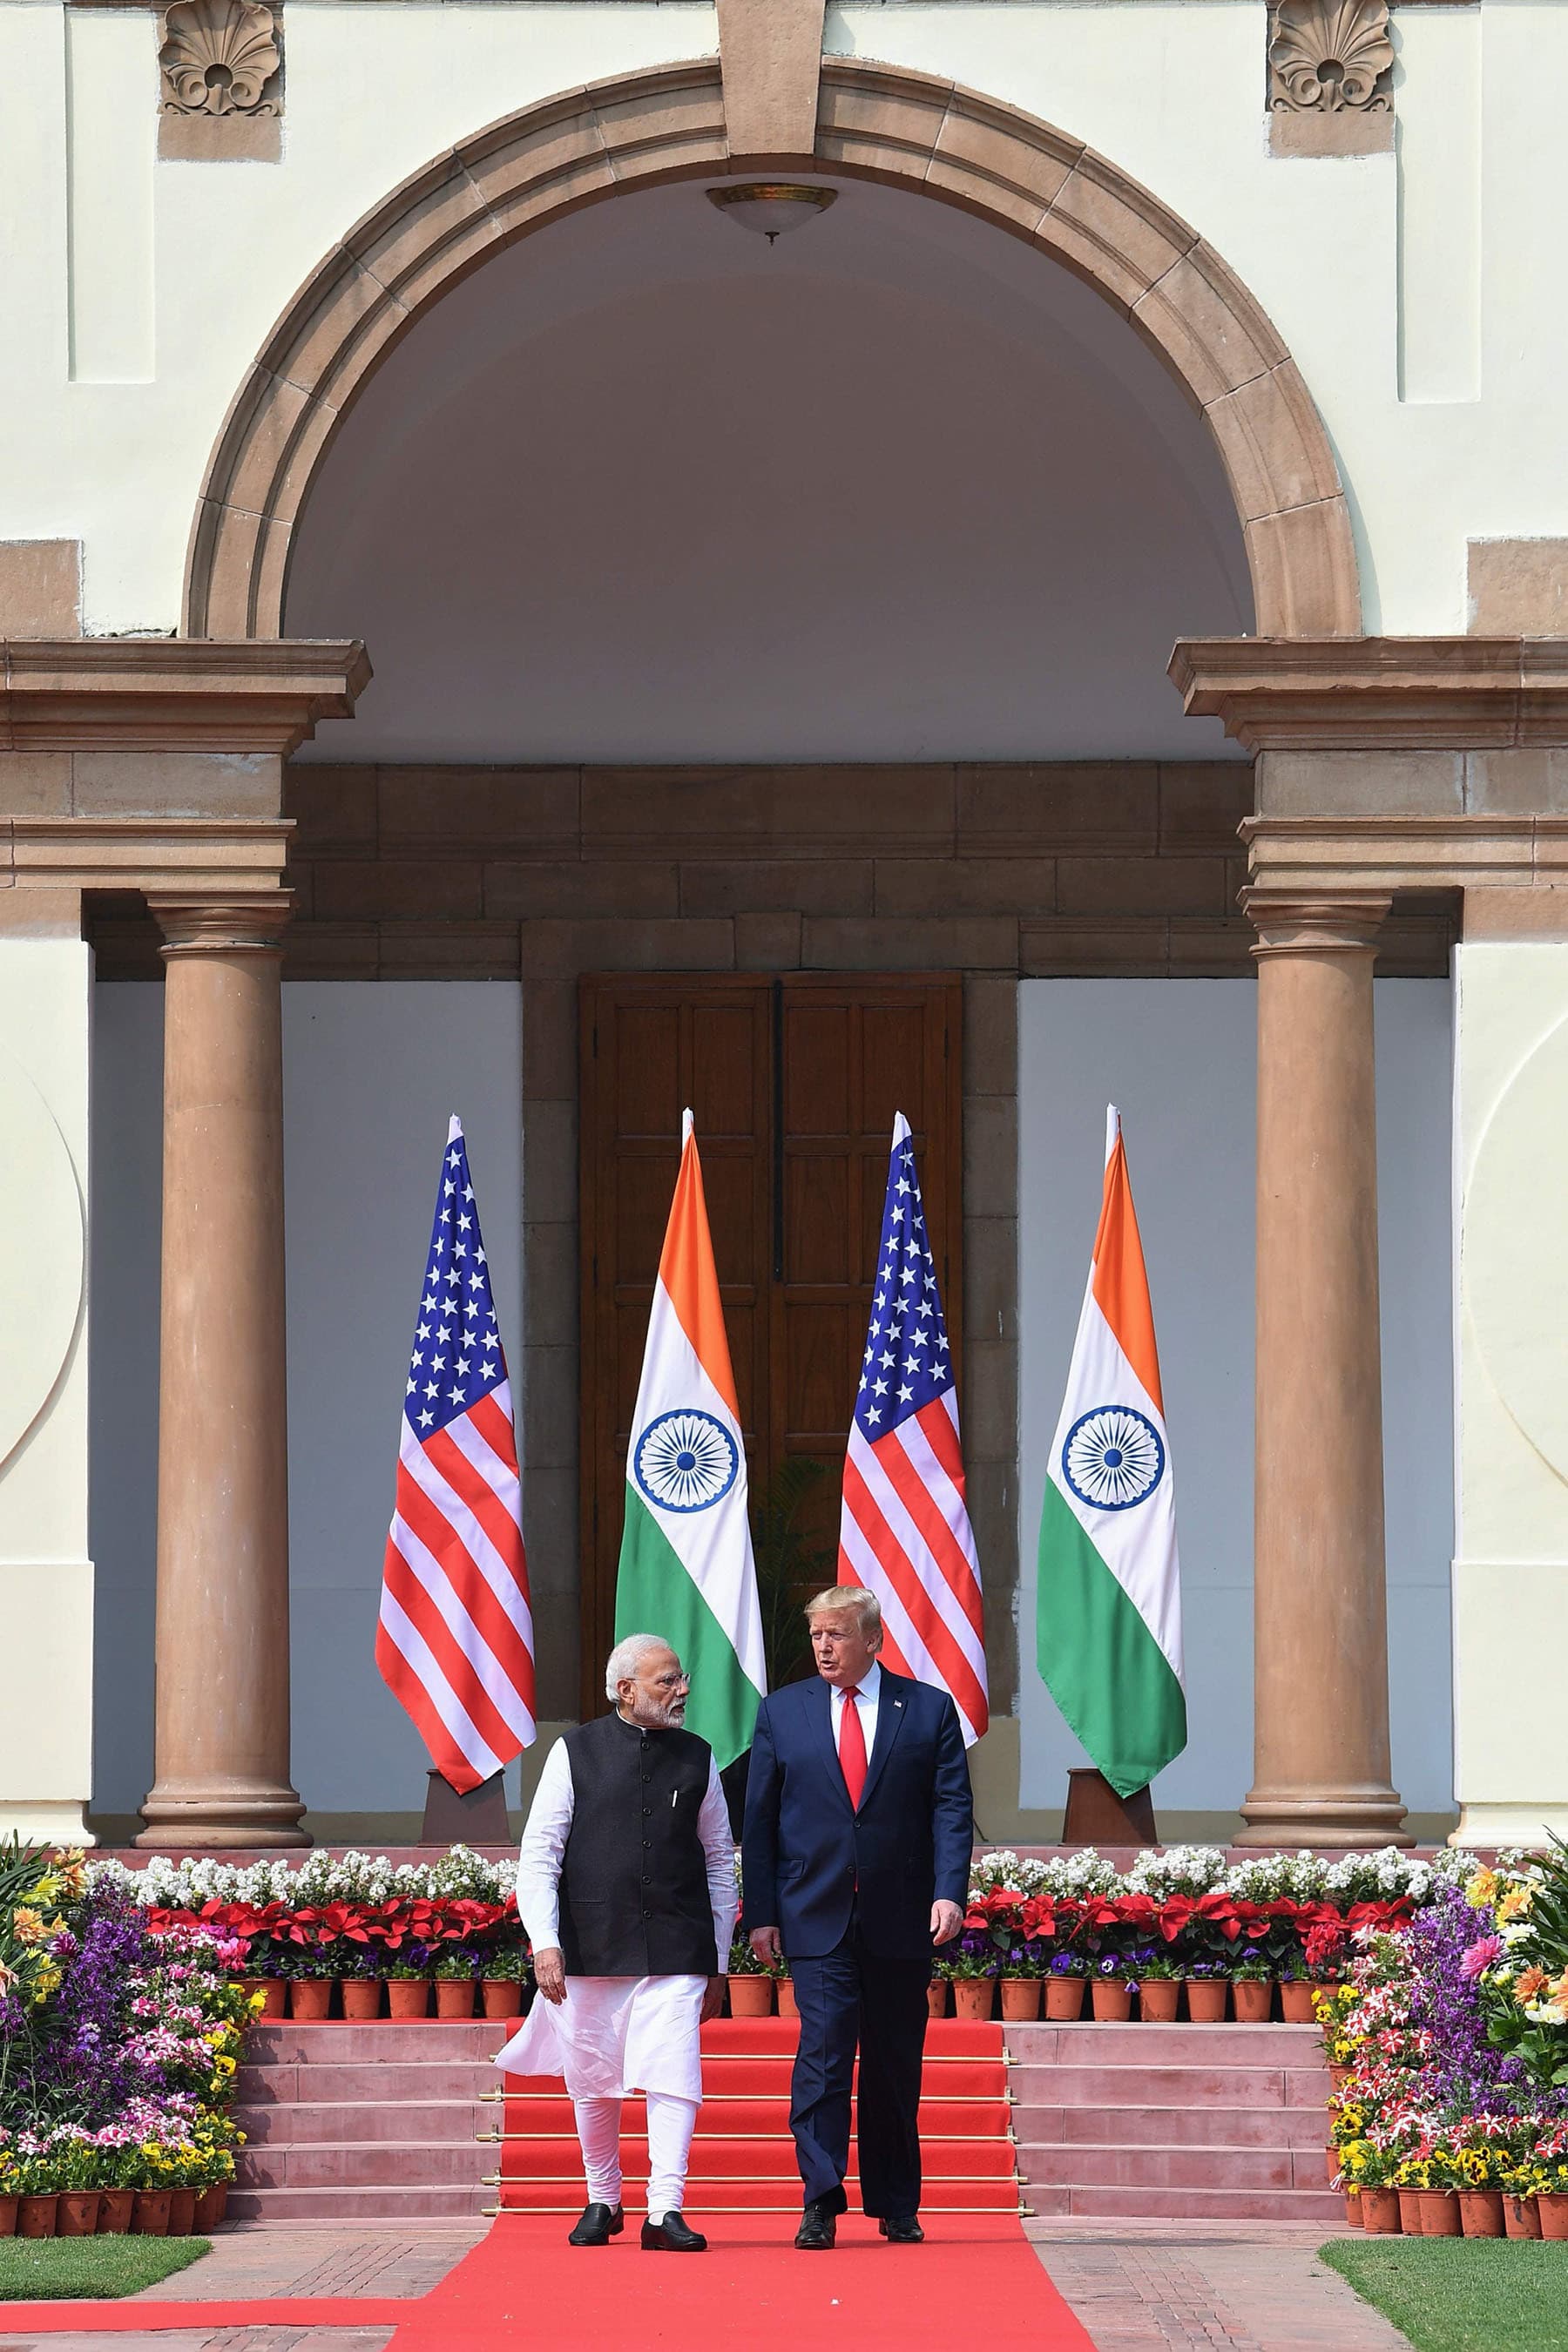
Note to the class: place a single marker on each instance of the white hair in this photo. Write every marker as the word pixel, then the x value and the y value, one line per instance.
pixel 624 1660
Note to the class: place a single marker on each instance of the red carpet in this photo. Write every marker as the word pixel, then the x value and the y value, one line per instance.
pixel 524 2284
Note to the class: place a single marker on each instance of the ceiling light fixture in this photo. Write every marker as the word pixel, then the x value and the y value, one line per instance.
pixel 770 207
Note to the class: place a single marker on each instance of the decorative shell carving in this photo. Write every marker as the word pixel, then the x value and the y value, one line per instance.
pixel 1331 56
pixel 219 56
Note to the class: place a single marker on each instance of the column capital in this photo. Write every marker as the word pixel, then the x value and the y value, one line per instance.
pixel 239 924
pixel 1377 694
pixel 1295 922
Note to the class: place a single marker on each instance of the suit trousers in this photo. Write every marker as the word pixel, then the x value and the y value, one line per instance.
pixel 852 1996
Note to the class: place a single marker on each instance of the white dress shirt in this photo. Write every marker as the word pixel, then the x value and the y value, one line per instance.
pixel 865 1707
pixel 544 1843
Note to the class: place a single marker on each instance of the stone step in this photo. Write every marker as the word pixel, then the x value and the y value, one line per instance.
pixel 351 2208
pixel 260 2086
pixel 1111 2165
pixel 476 2041
pixel 1087 2044
pixel 1168 2086
pixel 415 2124
pixel 1168 2204
pixel 361 2164
pixel 1038 2120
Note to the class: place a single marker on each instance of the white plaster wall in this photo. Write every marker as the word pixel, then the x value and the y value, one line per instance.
pixel 1446 260
pixel 46 1569
pixel 1179 1057
pixel 370 1075
pixel 1511 1569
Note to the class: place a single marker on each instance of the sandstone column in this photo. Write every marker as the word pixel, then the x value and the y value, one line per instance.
pixel 222 1707
pixel 1320 1664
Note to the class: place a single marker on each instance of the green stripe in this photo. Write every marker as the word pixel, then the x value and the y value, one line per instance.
pixel 1098 1658
pixel 655 1594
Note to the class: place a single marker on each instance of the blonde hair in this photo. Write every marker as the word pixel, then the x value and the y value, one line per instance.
pixel 867 1609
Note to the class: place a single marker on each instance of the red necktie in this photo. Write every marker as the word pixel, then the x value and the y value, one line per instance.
pixel 852 1748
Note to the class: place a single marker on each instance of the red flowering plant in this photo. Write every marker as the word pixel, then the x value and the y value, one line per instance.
pixel 346 1938
pixel 1011 1934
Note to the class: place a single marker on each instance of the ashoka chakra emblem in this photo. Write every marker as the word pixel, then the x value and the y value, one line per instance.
pixel 685 1461
pixel 1114 1457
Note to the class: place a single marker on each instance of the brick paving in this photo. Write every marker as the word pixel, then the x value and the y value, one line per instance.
pixel 1246 2288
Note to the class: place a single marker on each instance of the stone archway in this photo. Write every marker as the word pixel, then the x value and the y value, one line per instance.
pixel 905 130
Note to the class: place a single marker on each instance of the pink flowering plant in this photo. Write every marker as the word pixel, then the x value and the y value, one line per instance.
pixel 1449 2076
pixel 118 2065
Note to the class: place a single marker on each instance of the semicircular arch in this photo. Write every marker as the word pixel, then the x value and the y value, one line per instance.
pixel 905 130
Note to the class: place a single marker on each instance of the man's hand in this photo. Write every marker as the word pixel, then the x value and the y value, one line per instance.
pixel 713 1999
pixel 946 1919
pixel 765 1944
pixel 550 1974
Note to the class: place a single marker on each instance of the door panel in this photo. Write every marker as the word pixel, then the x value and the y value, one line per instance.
pixel 794 1082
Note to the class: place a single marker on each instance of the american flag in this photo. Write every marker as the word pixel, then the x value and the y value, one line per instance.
pixel 455 1643
pixel 905 1532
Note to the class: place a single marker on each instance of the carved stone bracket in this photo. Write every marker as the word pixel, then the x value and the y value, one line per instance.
pixel 1330 65
pixel 220 66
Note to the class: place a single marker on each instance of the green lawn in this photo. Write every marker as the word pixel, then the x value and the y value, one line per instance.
pixel 35 2269
pixel 1462 2295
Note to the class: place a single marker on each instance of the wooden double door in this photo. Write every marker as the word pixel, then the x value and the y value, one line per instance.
pixel 794 1081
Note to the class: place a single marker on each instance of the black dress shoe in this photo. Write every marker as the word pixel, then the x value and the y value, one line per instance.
pixel 598 2225
pixel 818 2226
pixel 674 2235
pixel 901 2229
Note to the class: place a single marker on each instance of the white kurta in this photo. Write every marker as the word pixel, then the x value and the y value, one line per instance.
pixel 612 2035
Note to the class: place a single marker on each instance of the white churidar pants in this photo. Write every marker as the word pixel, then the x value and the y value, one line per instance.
pixel 670 2121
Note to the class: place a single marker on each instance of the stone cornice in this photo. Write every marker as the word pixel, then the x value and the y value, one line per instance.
pixel 1337 854
pixel 1344 694
pixel 211 857
pixel 174 694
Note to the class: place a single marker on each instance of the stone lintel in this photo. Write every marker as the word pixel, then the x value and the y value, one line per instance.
pixel 174 694
pixel 189 855
pixel 1340 694
pixel 1335 855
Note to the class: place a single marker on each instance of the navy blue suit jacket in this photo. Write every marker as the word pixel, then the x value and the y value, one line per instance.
pixel 804 1852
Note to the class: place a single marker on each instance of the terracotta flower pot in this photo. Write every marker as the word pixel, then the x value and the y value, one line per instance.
pixel 182 2212
pixel 1439 2213
pixel 274 1992
pixel 362 1999
pixel 37 2217
pixel 1064 1998
pixel 789 2005
pixel 1111 1999
pixel 1379 2212
pixel 8 2217
pixel 1411 2218
pixel 1352 2209
pixel 1338 2077
pixel 211 2204
pixel 975 1998
pixel 150 2213
pixel 114 2212
pixel 1296 2003
pixel 1480 2212
pixel 408 1997
pixel 1020 1999
pixel 78 2215
pixel 1254 1999
pixel 1553 2211
pixel 936 1997
pixel 1206 1998
pixel 1332 2159
pixel 501 1997
pixel 1159 1997
pixel 1521 2217
pixel 309 1998
pixel 751 1996
pixel 454 1996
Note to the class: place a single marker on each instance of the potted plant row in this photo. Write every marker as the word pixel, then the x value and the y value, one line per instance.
pixel 84 2193
pixel 489 1978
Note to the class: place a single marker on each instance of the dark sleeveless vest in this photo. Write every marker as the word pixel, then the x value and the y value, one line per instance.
pixel 633 1877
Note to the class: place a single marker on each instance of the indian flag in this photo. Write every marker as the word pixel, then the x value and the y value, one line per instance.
pixel 1108 1624
pixel 686 1567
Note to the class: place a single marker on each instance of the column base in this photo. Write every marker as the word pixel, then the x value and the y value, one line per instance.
pixel 192 1819
pixel 1346 1819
